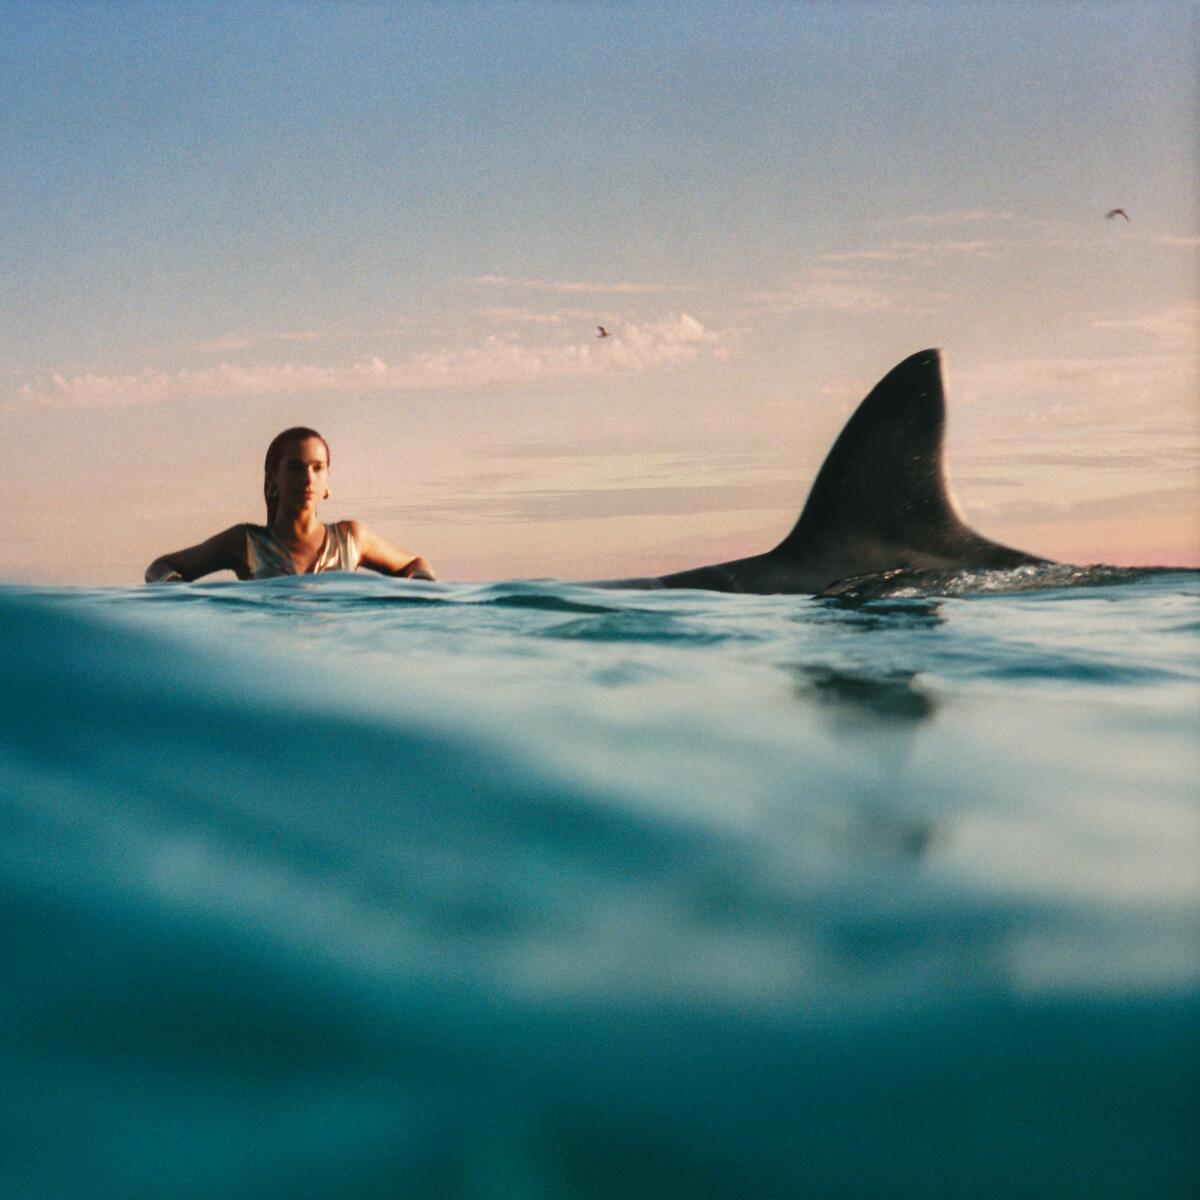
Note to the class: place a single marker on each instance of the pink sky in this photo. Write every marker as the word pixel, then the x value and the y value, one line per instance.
pixel 234 236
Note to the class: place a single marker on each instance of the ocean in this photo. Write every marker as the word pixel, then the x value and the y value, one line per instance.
pixel 351 887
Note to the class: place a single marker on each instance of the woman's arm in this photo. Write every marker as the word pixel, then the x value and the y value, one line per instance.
pixel 225 551
pixel 380 555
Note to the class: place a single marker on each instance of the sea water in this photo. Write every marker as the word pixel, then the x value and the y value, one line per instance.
pixel 344 886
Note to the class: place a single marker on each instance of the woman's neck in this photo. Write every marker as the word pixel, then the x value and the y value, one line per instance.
pixel 296 526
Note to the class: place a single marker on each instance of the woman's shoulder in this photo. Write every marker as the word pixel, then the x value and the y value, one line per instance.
pixel 242 544
pixel 234 535
pixel 237 538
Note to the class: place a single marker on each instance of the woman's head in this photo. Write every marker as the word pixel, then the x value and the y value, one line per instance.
pixel 296 469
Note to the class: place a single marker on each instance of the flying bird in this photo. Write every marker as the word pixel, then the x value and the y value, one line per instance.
pixel 603 332
pixel 1116 212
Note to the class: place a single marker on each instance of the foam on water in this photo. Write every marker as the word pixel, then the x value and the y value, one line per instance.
pixel 346 886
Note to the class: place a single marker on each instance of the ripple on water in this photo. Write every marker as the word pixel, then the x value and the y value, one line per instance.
pixel 633 625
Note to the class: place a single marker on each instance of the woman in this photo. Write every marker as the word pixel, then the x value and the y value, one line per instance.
pixel 293 541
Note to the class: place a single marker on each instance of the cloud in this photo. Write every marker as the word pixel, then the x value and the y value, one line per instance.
pixel 1187 242
pixel 1167 458
pixel 497 361
pixel 910 251
pixel 516 315
pixel 1161 502
pixel 1056 377
pixel 1090 403
pixel 522 315
pixel 962 216
pixel 578 287
pixel 663 342
pixel 228 344
pixel 844 290
pixel 1176 327
pixel 576 504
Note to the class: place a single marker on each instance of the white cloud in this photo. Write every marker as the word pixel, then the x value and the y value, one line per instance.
pixel 658 343
pixel 497 361
pixel 1187 242
pixel 577 287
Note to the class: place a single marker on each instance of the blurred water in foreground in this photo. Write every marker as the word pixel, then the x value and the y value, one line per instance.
pixel 348 887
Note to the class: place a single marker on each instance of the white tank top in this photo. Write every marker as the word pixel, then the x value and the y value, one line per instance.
pixel 267 556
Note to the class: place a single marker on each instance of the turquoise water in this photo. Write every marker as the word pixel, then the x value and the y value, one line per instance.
pixel 346 886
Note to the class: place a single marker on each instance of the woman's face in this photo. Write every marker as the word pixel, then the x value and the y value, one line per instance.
pixel 302 476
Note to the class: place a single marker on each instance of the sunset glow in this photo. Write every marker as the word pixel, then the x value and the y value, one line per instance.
pixel 403 225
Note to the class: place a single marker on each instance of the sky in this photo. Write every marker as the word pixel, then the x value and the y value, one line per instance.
pixel 402 224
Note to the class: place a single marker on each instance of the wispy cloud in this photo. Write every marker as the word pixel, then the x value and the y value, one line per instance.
pixel 1086 380
pixel 523 316
pixel 1185 241
pixel 960 216
pixel 1169 502
pixel 844 290
pixel 1083 401
pixel 1175 327
pixel 497 361
pixel 571 504
pixel 579 287
pixel 514 314
pixel 232 342
pixel 1161 458
pixel 909 251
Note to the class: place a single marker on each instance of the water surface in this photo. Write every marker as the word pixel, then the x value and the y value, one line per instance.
pixel 347 886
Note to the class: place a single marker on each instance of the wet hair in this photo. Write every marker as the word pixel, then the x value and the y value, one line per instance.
pixel 275 453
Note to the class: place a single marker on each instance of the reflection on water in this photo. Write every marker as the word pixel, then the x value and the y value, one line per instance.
pixel 869 613
pixel 876 717
pixel 894 697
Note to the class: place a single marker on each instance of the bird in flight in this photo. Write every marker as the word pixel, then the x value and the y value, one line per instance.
pixel 1117 212
pixel 603 332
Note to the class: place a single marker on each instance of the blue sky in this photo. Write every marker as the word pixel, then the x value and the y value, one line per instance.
pixel 401 223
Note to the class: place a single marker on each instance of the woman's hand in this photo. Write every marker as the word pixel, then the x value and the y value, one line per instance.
pixel 160 571
pixel 380 555
pixel 418 569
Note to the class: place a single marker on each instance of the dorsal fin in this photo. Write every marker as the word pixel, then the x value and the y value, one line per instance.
pixel 881 502
pixel 884 482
